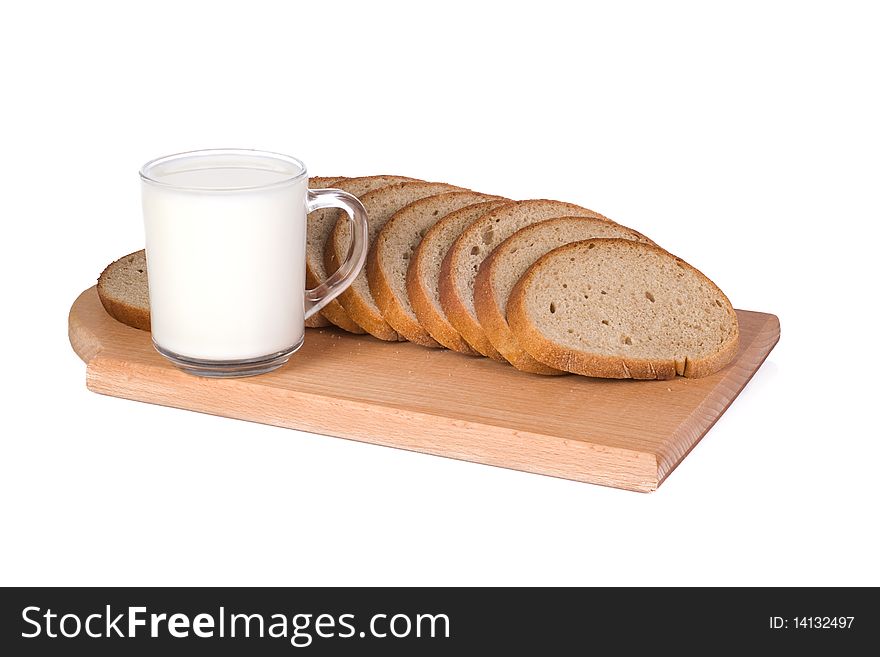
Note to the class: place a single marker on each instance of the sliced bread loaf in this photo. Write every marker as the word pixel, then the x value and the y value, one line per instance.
pixel 320 225
pixel 380 205
pixel 123 290
pixel 510 260
pixel 462 262
pixel 392 252
pixel 622 309
pixel 317 320
pixel 423 274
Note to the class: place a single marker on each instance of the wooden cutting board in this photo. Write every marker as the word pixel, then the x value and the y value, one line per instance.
pixel 626 434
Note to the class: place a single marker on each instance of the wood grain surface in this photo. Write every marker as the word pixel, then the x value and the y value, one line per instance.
pixel 626 434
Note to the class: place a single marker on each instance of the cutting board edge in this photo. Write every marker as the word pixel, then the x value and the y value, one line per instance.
pixel 757 351
pixel 85 343
pixel 386 426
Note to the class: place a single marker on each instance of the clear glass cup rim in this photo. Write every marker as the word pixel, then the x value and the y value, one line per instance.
pixel 205 153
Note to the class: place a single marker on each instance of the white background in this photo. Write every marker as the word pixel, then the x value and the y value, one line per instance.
pixel 746 141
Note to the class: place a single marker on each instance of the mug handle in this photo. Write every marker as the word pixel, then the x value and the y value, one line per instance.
pixel 316 199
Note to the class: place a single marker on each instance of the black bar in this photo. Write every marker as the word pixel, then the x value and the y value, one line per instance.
pixel 527 621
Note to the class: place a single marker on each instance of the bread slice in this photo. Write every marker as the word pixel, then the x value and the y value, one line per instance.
pixel 320 225
pixel 423 274
pixel 123 290
pixel 380 205
pixel 392 252
pixel 510 260
pixel 462 262
pixel 621 309
pixel 318 320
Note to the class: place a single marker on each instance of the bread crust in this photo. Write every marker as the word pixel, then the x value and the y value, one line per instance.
pixel 358 308
pixel 318 320
pixel 597 365
pixel 355 308
pixel 458 314
pixel 334 311
pixel 495 326
pixel 437 327
pixel 379 277
pixel 455 307
pixel 430 318
pixel 133 316
pixel 321 182
pixel 493 319
pixel 391 311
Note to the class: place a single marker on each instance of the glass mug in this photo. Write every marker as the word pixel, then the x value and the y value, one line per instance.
pixel 226 248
